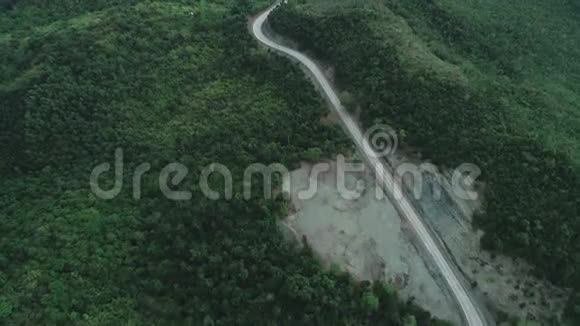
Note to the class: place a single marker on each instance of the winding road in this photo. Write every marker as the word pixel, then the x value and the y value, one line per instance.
pixel 471 314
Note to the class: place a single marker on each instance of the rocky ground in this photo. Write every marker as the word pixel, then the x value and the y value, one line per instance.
pixel 364 235
pixel 506 284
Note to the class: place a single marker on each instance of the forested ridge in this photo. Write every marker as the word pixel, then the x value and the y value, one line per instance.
pixel 492 83
pixel 166 81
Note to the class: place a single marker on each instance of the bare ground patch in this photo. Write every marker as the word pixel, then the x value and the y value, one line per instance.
pixel 365 237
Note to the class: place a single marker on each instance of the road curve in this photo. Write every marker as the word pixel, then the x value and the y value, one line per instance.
pixel 471 314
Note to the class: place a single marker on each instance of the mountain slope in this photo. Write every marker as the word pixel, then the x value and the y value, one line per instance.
pixel 486 83
pixel 165 82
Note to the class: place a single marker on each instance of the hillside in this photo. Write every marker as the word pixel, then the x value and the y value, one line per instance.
pixel 491 83
pixel 163 81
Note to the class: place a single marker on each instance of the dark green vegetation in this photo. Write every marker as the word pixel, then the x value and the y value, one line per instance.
pixel 79 79
pixel 494 83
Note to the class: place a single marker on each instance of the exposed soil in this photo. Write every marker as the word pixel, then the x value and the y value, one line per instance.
pixel 364 236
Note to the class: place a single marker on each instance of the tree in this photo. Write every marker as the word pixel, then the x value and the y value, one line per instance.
pixel 409 321
pixel 313 154
pixel 7 4
pixel 370 302
pixel 242 7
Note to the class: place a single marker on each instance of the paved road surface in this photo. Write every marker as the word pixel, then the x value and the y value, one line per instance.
pixel 472 315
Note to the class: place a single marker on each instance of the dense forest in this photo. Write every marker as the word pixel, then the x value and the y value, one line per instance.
pixel 165 81
pixel 492 83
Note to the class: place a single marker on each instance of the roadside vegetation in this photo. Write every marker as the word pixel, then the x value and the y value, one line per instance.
pixel 167 81
pixel 491 83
